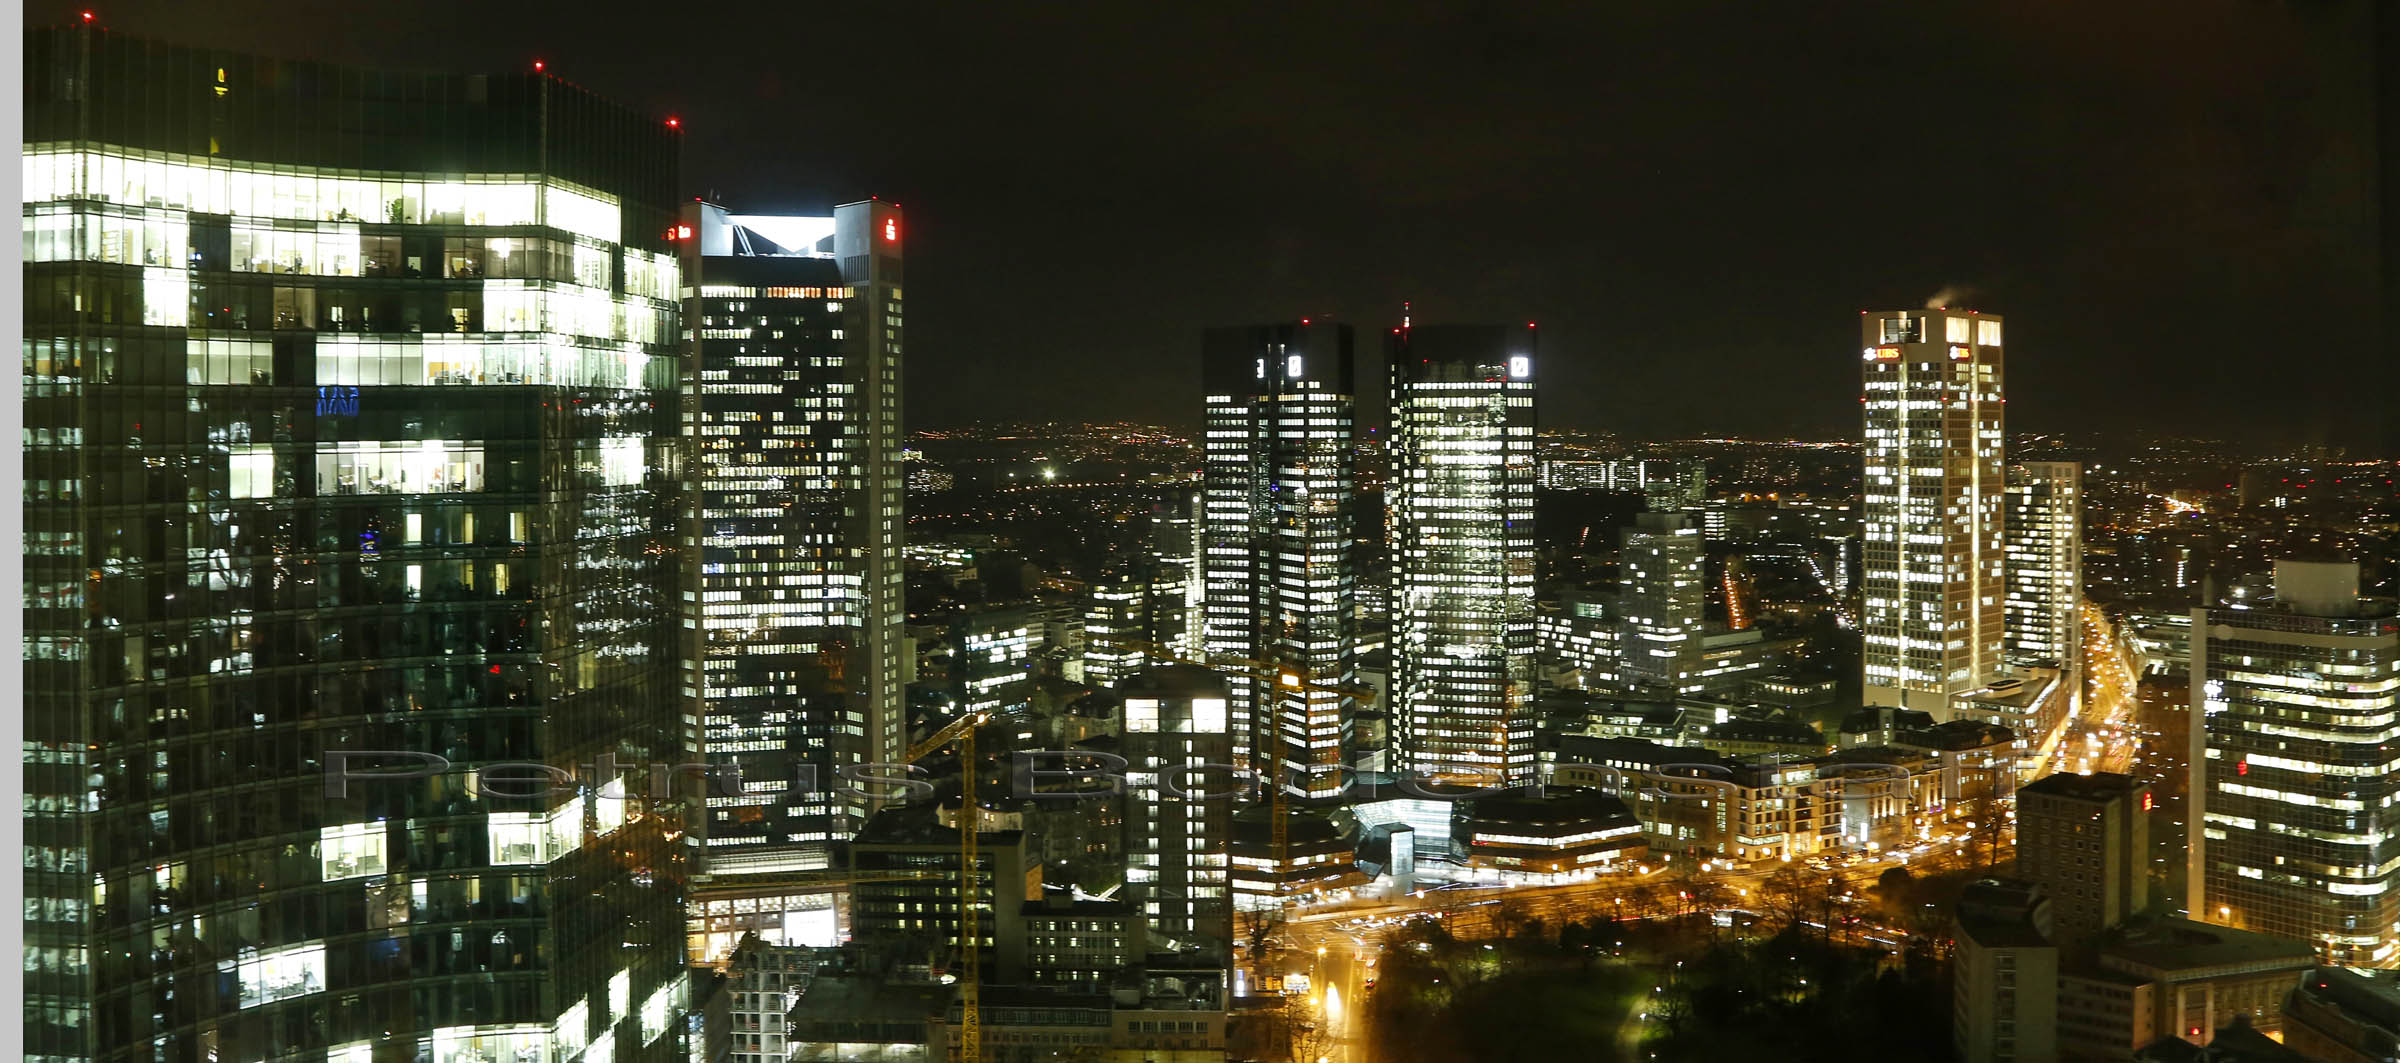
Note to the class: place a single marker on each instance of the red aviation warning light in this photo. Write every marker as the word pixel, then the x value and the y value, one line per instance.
pixel 891 230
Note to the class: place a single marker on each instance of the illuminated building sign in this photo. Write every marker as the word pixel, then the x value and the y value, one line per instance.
pixel 891 230
pixel 337 402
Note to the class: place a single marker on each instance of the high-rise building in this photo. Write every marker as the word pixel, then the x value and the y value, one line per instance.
pixel 1277 564
pixel 1663 483
pixel 1663 595
pixel 1178 833
pixel 1933 561
pixel 1462 491
pixel 350 402
pixel 2085 840
pixel 2292 777
pixel 1581 634
pixel 1116 621
pixel 991 659
pixel 1171 566
pixel 797 671
pixel 2045 567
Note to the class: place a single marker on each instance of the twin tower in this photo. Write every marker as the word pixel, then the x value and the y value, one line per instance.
pixel 1285 527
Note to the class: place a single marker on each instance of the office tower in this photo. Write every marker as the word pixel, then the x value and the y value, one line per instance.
pixel 2290 773
pixel 1116 620
pixel 1581 634
pixel 1177 834
pixel 1172 564
pixel 1664 484
pixel 991 660
pixel 798 668
pixel 1279 586
pixel 1663 594
pixel 1933 561
pixel 2085 839
pixel 1462 487
pixel 2045 567
pixel 350 425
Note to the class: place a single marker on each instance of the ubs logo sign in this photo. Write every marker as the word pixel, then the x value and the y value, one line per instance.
pixel 337 402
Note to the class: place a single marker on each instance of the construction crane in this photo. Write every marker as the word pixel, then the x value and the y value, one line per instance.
pixel 970 973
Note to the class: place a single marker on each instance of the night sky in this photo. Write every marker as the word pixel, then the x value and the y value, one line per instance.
pixel 2174 202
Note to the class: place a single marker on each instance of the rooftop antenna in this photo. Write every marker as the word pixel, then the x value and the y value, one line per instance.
pixel 1404 314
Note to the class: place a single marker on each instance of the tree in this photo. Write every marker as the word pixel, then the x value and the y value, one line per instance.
pixel 1305 1023
pixel 1786 893
pixel 1827 896
pixel 1895 890
pixel 1640 901
pixel 1262 926
pixel 1508 915
pixel 1987 827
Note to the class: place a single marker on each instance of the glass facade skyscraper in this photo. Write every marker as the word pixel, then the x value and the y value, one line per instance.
pixel 1934 493
pixel 1662 575
pixel 800 665
pixel 2045 567
pixel 1278 570
pixel 350 403
pixel 1462 488
pixel 2293 779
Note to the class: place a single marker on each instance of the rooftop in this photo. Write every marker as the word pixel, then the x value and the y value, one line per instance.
pixel 2172 949
pixel 2098 786
pixel 916 825
pixel 2370 997
pixel 1955 735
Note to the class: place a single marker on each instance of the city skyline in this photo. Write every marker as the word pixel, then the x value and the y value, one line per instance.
pixel 495 589
pixel 1711 199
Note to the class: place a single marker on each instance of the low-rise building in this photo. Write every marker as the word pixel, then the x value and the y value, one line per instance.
pixel 1791 690
pixel 1706 805
pixel 852 1009
pixel 1744 736
pixel 1318 858
pixel 2032 703
pixel 908 865
pixel 2004 976
pixel 2344 1015
pixel 2204 975
pixel 1080 945
pixel 1981 757
pixel 1880 725
pixel 1165 1016
pixel 1561 834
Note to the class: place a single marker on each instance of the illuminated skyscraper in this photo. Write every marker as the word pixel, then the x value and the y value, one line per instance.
pixel 350 399
pixel 1462 488
pixel 2292 774
pixel 1663 593
pixel 2045 567
pixel 799 670
pixel 1933 562
pixel 1277 557
pixel 1172 568
pixel 1115 630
